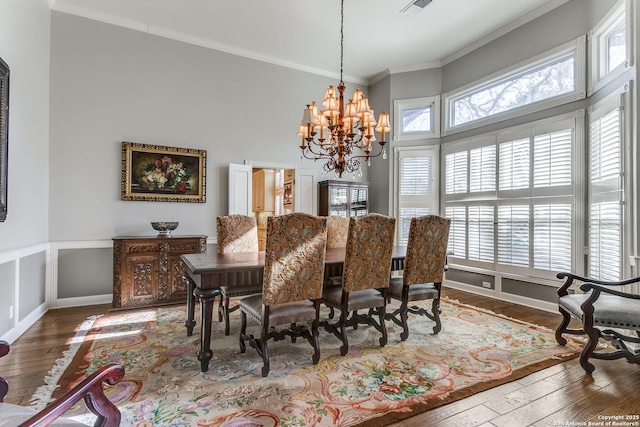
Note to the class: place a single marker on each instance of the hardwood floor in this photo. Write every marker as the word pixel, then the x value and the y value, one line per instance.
pixel 561 395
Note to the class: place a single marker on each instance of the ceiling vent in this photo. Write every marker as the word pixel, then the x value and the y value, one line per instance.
pixel 414 7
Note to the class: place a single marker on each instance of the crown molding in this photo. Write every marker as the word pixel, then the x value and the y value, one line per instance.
pixel 547 7
pixel 197 41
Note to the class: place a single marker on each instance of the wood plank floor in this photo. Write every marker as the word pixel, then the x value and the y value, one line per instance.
pixel 561 395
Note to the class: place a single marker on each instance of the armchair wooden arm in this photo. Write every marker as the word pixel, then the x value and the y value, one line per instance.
pixel 606 313
pixel 90 389
pixel 569 278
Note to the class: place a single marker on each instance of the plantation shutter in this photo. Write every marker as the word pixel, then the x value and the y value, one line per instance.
pixel 456 172
pixel 481 240
pixel 457 245
pixel 513 235
pixel 482 169
pixel 417 193
pixel 605 195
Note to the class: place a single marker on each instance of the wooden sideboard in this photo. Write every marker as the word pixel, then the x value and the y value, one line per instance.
pixel 147 271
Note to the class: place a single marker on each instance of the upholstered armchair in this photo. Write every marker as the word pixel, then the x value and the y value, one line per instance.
pixel 236 233
pixel 424 267
pixel 365 277
pixel 292 285
pixel 90 389
pixel 605 311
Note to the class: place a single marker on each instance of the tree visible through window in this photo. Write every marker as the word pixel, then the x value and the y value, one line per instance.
pixel 545 82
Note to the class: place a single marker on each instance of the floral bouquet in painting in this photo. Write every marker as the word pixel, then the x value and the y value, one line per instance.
pixel 163 173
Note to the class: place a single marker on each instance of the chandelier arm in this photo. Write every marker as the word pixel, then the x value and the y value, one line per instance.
pixel 316 155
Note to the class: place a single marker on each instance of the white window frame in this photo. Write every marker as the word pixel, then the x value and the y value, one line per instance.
pixel 618 100
pixel 529 197
pixel 432 202
pixel 577 48
pixel 598 48
pixel 400 105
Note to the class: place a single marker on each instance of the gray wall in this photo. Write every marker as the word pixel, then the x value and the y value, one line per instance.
pixel 83 272
pixel 7 273
pixel 110 84
pixel 24 46
pixel 32 283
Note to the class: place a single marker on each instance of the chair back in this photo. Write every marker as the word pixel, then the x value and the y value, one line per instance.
pixel 294 258
pixel 426 250
pixel 236 233
pixel 367 261
pixel 337 231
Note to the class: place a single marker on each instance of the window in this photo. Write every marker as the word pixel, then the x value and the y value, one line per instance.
pixel 518 213
pixel 553 78
pixel 416 118
pixel 605 190
pixel 609 45
pixel 417 182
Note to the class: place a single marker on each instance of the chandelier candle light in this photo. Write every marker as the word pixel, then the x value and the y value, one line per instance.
pixel 342 136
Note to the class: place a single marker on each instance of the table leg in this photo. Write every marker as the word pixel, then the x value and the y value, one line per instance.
pixel 206 296
pixel 190 323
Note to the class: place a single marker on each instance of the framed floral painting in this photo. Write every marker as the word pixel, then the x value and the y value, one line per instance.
pixel 163 174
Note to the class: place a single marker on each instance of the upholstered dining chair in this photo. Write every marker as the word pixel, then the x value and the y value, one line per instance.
pixel 365 277
pixel 606 311
pixel 292 284
pixel 424 267
pixel 236 233
pixel 337 233
pixel 90 390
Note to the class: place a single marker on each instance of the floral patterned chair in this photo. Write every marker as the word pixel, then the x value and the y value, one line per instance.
pixel 424 267
pixel 337 231
pixel 236 233
pixel 292 285
pixel 365 277
pixel 606 312
pixel 90 389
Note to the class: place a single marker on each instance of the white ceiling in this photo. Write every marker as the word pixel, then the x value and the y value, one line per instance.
pixel 305 34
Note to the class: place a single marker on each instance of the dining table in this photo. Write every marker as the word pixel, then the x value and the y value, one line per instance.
pixel 206 272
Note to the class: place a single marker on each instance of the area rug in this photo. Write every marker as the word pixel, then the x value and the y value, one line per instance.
pixel 163 385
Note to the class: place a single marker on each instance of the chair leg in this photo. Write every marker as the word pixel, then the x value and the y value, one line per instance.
pixel 435 308
pixel 566 318
pixel 264 349
pixel 226 316
pixel 316 342
pixel 382 312
pixel 343 334
pixel 243 331
pixel 588 350
pixel 190 323
pixel 404 314
pixel 220 307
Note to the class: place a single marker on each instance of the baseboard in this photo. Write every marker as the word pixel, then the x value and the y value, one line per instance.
pixel 503 296
pixel 81 301
pixel 24 324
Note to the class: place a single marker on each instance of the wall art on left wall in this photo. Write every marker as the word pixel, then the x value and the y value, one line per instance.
pixel 4 136
pixel 163 174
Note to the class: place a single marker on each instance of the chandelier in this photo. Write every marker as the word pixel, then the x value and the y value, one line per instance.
pixel 342 135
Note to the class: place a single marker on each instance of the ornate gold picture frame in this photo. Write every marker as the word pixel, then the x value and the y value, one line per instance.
pixel 163 174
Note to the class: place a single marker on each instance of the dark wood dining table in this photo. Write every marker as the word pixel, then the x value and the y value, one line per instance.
pixel 207 272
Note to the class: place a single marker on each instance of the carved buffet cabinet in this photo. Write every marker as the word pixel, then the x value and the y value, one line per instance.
pixel 147 271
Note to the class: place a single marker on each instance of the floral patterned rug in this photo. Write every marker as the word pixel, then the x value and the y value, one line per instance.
pixel 163 385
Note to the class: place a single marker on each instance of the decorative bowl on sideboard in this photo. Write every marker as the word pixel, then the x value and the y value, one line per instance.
pixel 164 227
